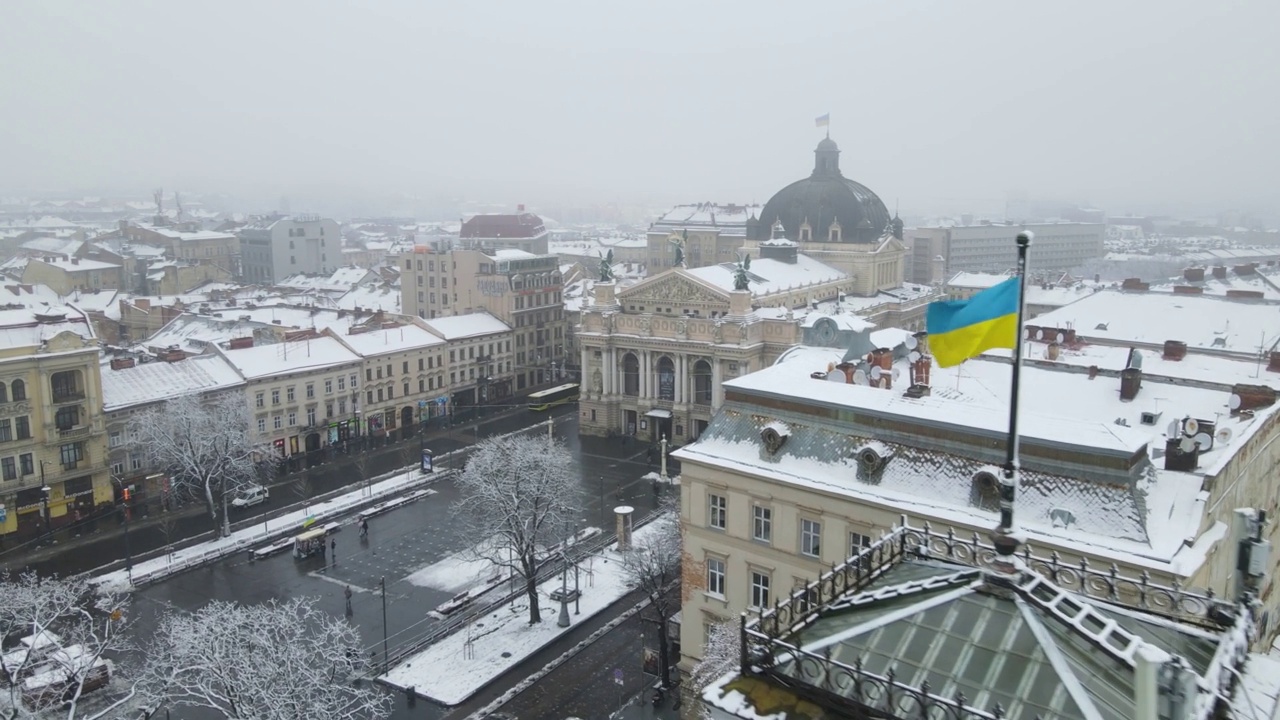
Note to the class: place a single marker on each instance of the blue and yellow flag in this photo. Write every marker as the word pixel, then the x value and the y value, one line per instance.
pixel 961 329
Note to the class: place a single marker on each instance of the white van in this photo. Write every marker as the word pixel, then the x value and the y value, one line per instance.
pixel 250 496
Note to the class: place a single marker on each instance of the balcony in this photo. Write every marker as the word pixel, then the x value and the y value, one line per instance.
pixel 69 396
pixel 74 431
pixel 482 359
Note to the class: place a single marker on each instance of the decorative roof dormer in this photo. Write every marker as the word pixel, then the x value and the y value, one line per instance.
pixel 806 231
pixel 833 232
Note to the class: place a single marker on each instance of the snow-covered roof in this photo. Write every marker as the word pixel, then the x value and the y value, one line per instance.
pixel 512 254
pixel 710 215
pixel 146 383
pixel 977 280
pixel 1145 511
pixel 31 295
pixel 77 265
pixel 184 236
pixel 769 276
pixel 263 361
pixel 465 326
pixel 53 245
pixel 371 297
pixel 843 321
pixel 390 340
pixel 342 279
pixel 1152 318
pixel 20 327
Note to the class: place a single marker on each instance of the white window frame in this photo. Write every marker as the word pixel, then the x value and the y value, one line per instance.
pixel 716 571
pixel 810 538
pixel 762 523
pixel 858 542
pixel 761 588
pixel 717 508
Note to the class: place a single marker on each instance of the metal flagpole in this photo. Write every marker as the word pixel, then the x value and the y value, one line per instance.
pixel 1005 539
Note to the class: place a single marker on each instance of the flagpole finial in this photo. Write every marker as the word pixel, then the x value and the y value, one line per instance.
pixel 1024 238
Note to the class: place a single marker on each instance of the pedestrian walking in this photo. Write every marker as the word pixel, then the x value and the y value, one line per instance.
pixel 364 528
pixel 347 592
pixel 333 550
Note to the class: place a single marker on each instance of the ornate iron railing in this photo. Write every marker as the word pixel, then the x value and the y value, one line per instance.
pixel 766 640
pixel 1108 583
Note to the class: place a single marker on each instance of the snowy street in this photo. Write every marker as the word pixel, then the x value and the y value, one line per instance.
pixel 401 544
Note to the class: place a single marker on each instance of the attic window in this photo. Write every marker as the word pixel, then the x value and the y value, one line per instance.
pixel 805 233
pixel 834 233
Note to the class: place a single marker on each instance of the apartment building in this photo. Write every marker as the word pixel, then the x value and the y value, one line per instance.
pixel 276 247
pixel 519 231
pixel 53 466
pixel 521 289
pixel 940 252
pixel 404 372
pixel 1133 460
pixel 66 276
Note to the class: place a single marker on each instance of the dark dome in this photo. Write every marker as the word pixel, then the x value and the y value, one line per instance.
pixel 824 198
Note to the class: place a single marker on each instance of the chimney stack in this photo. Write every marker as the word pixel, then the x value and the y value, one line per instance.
pixel 1174 350
pixel 1130 383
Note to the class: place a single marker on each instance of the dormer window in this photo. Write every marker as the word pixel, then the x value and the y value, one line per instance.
pixel 833 234
pixel 806 231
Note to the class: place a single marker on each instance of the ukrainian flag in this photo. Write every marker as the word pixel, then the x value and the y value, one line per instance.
pixel 961 329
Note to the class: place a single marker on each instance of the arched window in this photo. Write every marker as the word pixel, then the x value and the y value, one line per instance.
pixel 666 379
pixel 630 375
pixel 4 393
pixel 702 383
pixel 19 390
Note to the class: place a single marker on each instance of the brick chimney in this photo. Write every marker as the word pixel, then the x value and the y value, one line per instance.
pixel 1193 274
pixel 1130 383
pixel 1174 350
pixel 1220 272
pixel 122 363
pixel 241 343
pixel 1273 364
pixel 1250 397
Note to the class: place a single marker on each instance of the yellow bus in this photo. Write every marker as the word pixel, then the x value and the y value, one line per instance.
pixel 544 399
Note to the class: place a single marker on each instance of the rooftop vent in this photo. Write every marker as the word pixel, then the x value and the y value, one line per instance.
pixel 1150 418
pixel 1174 350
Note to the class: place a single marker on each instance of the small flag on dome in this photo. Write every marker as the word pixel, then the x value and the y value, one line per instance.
pixel 823 120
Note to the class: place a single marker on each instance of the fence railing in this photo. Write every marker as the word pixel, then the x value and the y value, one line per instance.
pixel 768 646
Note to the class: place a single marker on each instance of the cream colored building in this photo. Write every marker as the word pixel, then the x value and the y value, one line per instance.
pixel 67 276
pixel 300 392
pixel 52 432
pixel 815 457
pixel 521 289
pixel 654 354
pixel 405 373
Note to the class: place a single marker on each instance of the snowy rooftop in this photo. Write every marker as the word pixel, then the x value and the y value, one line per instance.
pixel 972 280
pixel 79 265
pixel 59 246
pixel 262 361
pixel 512 254
pixel 1152 318
pixel 192 331
pixel 465 326
pixel 386 340
pixel 726 217
pixel 155 381
pixel 20 328
pixel 342 279
pixel 371 297
pixel 769 276
pixel 192 236
pixel 1125 504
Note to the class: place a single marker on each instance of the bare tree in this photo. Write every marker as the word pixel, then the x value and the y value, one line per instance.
pixel 652 565
pixel 276 661
pixel 520 493
pixel 721 655
pixel 72 628
pixel 204 443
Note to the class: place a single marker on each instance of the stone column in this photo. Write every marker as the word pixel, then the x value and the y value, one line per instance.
pixel 644 374
pixel 606 370
pixel 717 394
pixel 679 397
pixel 587 373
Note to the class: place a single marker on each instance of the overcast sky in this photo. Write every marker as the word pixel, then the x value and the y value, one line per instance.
pixel 942 105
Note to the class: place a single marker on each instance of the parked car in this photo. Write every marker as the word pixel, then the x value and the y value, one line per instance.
pixel 250 496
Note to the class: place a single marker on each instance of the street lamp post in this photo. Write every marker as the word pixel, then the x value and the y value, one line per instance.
pixel 386 656
pixel 46 490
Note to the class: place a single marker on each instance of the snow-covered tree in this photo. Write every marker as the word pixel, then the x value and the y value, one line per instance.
pixel 275 661
pixel 652 565
pixel 204 444
pixel 74 630
pixel 721 655
pixel 520 496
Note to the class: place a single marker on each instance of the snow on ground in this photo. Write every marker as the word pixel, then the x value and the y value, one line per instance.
pixel 460 571
pixel 655 477
pixel 241 540
pixel 475 655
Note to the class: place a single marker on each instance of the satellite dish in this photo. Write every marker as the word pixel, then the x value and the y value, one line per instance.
pixel 1223 435
pixel 876 372
pixel 1187 445
pixel 911 342
pixel 1173 430
pixel 895 374
pixel 1234 402
pixel 859 377
pixel 1203 441
pixel 1061 338
pixel 1190 426
pixel 913 356
pixel 836 376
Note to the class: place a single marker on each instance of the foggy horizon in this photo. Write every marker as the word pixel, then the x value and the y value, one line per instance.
pixel 936 107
